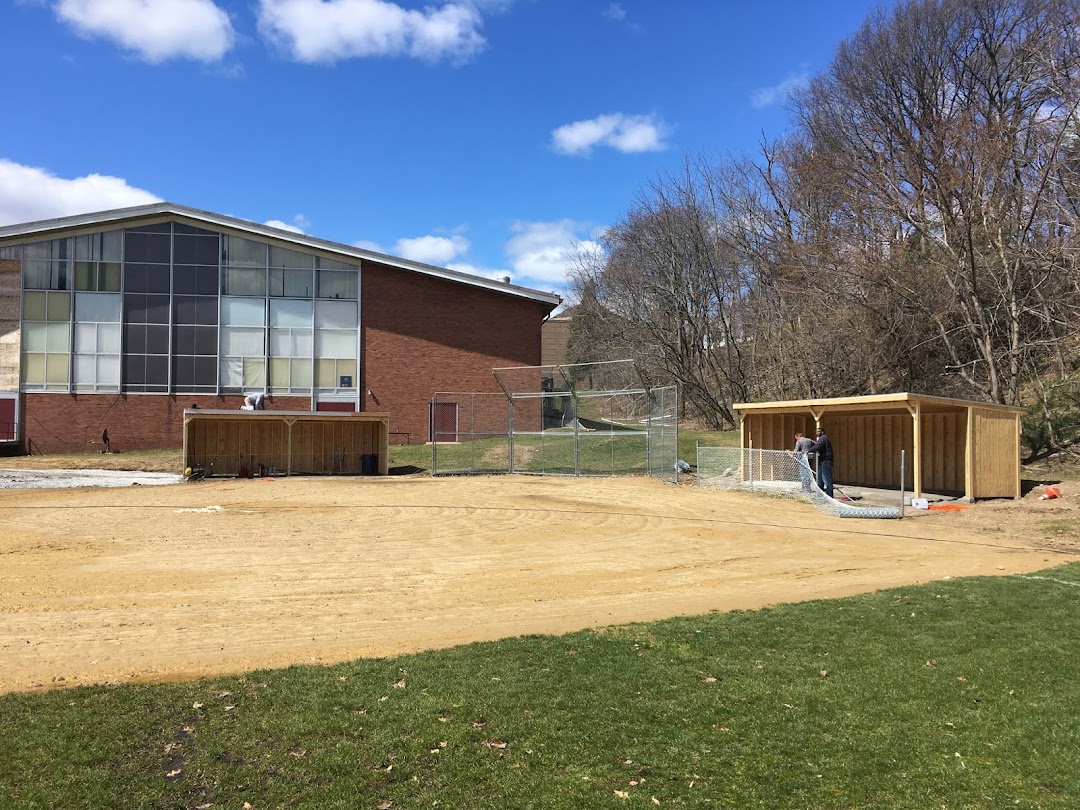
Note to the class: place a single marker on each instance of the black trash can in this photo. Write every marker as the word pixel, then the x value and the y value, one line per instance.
pixel 369 464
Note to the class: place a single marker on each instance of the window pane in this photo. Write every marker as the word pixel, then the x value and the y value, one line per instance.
pixel 238 341
pixel 184 340
pixel 242 312
pixel 33 337
pixel 158 248
pixel 206 371
pixel 34 306
pixel 108 339
pixel 300 372
pixel 290 283
pixel 157 309
pixel 56 369
pixel 337 284
pixel 207 281
pixel 232 372
pixel 34 368
pixel 108 370
pixel 134 338
pixel 97 307
pixel 85 369
pixel 58 307
pixel 184 309
pixel 239 252
pixel 157 370
pixel 86 337
pixel 157 278
pixel 335 344
pixel 206 340
pixel 279 373
pixel 335 315
pixel 134 369
pixel 243 281
pixel 157 340
pixel 109 277
pixel 332 264
pixel 326 374
pixel 254 373
pixel 135 277
pixel 283 257
pixel 58 338
pixel 290 313
pixel 85 276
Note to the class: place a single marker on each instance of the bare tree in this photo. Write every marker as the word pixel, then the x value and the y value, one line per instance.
pixel 945 123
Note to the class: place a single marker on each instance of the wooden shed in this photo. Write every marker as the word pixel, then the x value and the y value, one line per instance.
pixel 287 442
pixel 951 446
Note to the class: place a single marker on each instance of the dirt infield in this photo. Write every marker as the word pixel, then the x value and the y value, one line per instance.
pixel 170 582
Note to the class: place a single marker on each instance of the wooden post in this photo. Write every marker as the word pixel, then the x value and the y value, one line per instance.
pixel 1019 485
pixel 916 439
pixel 969 457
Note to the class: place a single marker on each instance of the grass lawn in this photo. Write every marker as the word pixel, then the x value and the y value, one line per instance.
pixel 957 694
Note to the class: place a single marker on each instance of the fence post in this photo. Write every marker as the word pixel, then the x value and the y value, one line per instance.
pixel 510 420
pixel 902 483
pixel 751 465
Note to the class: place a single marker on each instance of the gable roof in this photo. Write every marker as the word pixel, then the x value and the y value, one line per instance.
pixel 120 217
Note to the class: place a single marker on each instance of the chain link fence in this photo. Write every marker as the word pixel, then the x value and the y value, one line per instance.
pixel 779 472
pixel 558 425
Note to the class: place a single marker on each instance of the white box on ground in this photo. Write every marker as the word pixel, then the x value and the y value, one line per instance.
pixel 920 503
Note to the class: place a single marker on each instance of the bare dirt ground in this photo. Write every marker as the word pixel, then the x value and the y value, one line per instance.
pixel 170 582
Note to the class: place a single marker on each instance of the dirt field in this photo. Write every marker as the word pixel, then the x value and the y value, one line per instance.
pixel 168 582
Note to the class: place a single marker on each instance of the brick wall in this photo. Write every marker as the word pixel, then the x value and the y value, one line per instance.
pixel 72 423
pixel 421 335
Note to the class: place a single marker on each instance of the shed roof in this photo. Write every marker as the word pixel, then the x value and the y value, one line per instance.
pixel 164 211
pixel 876 403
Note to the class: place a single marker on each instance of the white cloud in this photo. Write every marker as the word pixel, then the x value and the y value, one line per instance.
pixel 328 30
pixel 768 96
pixel 156 30
pixel 28 194
pixel 432 249
pixel 299 224
pixel 624 133
pixel 616 12
pixel 547 251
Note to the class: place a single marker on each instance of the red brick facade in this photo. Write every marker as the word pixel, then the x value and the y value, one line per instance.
pixel 72 423
pixel 421 335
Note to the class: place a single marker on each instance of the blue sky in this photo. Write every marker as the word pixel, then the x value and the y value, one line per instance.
pixel 489 136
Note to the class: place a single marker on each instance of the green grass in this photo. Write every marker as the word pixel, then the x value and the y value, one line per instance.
pixel 957 694
pixel 1062 528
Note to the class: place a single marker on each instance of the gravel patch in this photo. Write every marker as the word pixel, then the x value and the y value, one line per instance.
pixel 66 479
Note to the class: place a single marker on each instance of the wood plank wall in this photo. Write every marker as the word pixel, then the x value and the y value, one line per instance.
pixel 867 448
pixel 318 447
pixel 996 453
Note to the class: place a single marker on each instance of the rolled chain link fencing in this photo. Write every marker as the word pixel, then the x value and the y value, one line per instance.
pixel 782 473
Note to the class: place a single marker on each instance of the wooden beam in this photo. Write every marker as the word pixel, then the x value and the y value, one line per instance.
pixel 1019 484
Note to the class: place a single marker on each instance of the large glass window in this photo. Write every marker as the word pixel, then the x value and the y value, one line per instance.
pixel 97 342
pixel 291 346
pixel 195 343
pixel 336 346
pixel 243 344
pixel 146 342
pixel 46 340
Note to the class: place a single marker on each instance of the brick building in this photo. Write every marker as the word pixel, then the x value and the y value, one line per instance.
pixel 120 320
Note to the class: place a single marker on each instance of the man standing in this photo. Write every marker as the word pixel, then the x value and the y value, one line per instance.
pixel 802 447
pixel 823 447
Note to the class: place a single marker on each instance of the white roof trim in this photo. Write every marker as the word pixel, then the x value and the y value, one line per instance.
pixel 42 229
